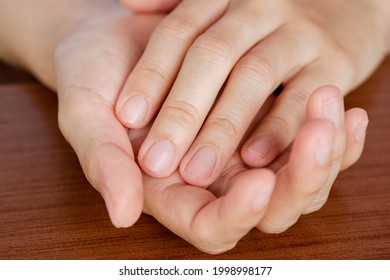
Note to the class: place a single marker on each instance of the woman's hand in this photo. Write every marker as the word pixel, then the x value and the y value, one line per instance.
pixel 212 64
pixel 92 63
pixel 216 218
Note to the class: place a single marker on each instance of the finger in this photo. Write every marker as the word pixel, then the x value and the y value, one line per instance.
pixel 105 154
pixel 327 103
pixel 150 5
pixel 356 123
pixel 212 225
pixel 151 79
pixel 204 71
pixel 254 77
pixel 301 179
pixel 279 128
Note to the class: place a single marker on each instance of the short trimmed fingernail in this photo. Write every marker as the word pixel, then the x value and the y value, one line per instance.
pixel 324 151
pixel 135 110
pixel 332 108
pixel 260 147
pixel 203 162
pixel 360 131
pixel 160 157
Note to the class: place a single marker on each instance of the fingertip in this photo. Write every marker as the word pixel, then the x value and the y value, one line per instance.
pixel 124 201
pixel 202 167
pixel 124 214
pixel 258 151
pixel 326 102
pixel 134 111
pixel 115 174
pixel 356 121
pixel 158 159
pixel 324 92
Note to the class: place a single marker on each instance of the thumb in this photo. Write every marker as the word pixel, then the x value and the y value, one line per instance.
pixel 105 154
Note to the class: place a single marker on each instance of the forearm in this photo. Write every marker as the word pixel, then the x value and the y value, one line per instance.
pixel 31 30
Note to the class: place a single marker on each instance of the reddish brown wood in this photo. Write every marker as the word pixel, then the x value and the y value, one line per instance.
pixel 49 211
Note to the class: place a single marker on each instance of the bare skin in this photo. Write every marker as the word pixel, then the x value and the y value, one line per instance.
pixel 87 62
pixel 210 66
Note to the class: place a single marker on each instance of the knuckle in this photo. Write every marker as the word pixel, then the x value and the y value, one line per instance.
pixel 349 159
pixel 87 164
pixel 303 190
pixel 212 48
pixel 280 124
pixel 154 71
pixel 208 240
pixel 177 27
pixel 182 113
pixel 225 127
pixel 89 161
pixel 275 226
pixel 316 205
pixel 298 99
pixel 77 103
pixel 261 70
pixel 204 243
pixel 296 185
pixel 63 121
pixel 68 118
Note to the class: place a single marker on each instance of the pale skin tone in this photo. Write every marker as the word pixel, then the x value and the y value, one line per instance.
pixel 87 57
pixel 212 64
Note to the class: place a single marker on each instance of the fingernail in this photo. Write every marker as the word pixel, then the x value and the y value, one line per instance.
pixel 160 157
pixel 360 131
pixel 135 110
pixel 261 147
pixel 203 162
pixel 332 108
pixel 324 151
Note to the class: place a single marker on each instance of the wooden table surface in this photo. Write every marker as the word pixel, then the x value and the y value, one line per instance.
pixel 49 211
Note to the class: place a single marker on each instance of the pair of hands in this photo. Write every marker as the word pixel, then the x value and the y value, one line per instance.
pixel 93 63
pixel 209 67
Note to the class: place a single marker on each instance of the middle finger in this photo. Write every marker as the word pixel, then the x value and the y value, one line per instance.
pixel 205 69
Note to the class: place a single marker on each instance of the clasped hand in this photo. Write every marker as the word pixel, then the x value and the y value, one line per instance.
pixel 95 74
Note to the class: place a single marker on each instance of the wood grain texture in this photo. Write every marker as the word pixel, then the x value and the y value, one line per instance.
pixel 49 211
